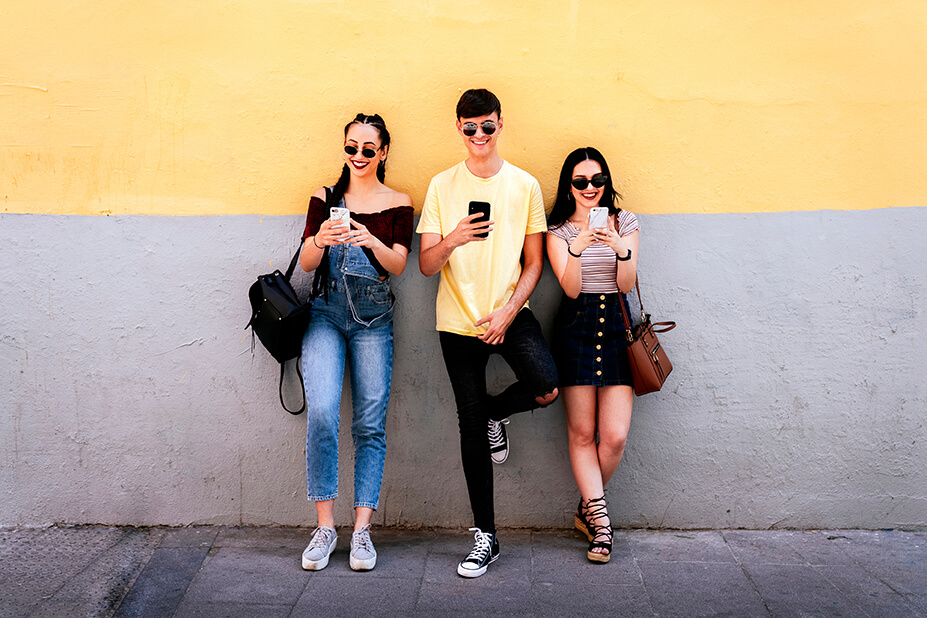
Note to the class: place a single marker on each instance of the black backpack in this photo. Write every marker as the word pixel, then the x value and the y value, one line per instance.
pixel 279 320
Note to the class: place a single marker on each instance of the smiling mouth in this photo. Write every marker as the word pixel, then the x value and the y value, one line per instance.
pixel 359 165
pixel 590 196
pixel 479 142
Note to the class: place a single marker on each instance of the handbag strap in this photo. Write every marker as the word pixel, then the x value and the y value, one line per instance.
pixel 629 334
pixel 624 313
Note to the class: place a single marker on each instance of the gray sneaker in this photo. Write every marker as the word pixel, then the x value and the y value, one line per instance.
pixel 315 556
pixel 363 555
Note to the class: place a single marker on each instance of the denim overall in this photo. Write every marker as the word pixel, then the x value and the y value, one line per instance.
pixel 354 322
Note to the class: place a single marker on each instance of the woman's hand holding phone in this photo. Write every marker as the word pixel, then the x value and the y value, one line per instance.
pixel 333 232
pixel 361 236
pixel 583 239
pixel 609 236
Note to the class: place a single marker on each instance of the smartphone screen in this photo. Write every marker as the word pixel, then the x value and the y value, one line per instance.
pixel 598 217
pixel 483 208
pixel 340 214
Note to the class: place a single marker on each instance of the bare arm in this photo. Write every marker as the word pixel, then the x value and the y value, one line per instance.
pixel 393 259
pixel 568 268
pixel 621 245
pixel 500 319
pixel 314 246
pixel 435 251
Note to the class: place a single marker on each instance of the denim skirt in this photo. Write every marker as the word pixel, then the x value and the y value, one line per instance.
pixel 589 344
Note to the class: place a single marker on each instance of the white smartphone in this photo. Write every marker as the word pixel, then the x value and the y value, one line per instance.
pixel 340 214
pixel 598 217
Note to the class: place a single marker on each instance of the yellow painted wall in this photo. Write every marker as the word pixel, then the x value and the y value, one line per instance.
pixel 230 107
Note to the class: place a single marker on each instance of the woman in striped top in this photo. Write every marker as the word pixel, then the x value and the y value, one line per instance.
pixel 596 268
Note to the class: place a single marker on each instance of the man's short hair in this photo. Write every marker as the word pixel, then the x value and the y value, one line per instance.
pixel 478 102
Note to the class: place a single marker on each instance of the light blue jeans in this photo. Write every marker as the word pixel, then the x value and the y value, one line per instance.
pixel 354 323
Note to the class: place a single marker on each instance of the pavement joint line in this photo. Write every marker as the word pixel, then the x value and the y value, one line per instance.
pixel 90 563
pixel 885 565
pixel 743 569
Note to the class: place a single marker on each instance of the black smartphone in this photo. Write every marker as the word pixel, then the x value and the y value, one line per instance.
pixel 483 208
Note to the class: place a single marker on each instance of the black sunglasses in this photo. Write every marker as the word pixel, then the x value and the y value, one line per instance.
pixel 367 152
pixel 469 128
pixel 596 181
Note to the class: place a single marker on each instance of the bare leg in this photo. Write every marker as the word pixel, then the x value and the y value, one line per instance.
pixel 362 515
pixel 579 403
pixel 326 513
pixel 614 421
pixel 604 412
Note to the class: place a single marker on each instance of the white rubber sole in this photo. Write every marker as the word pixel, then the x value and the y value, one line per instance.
pixel 499 461
pixel 359 564
pixel 317 565
pixel 475 572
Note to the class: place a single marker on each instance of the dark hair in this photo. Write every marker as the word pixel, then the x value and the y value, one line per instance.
pixel 319 285
pixel 377 123
pixel 478 102
pixel 565 205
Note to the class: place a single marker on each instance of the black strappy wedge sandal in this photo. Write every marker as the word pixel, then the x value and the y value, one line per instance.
pixel 579 520
pixel 599 535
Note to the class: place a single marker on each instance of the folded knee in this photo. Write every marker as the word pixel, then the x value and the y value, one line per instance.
pixel 549 398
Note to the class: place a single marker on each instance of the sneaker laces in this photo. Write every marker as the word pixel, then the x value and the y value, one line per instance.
pixel 495 436
pixel 361 539
pixel 321 537
pixel 482 548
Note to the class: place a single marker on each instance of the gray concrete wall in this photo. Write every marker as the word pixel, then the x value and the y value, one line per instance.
pixel 129 393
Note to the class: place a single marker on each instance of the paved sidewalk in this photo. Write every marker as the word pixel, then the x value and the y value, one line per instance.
pixel 223 571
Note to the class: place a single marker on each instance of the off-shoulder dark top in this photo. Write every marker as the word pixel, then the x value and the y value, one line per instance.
pixel 392 226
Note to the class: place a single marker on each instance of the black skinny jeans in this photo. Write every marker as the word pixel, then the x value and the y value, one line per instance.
pixel 526 352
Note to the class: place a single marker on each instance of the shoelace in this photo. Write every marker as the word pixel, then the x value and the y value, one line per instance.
pixel 495 434
pixel 482 548
pixel 361 539
pixel 320 539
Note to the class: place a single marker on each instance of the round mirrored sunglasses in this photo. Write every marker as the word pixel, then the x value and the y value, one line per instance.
pixel 469 128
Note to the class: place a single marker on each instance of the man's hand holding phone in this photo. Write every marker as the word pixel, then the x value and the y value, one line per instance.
pixel 476 226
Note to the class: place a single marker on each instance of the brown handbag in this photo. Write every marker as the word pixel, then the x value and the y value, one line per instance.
pixel 649 363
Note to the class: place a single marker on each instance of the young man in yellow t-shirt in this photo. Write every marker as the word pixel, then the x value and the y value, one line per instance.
pixel 482 304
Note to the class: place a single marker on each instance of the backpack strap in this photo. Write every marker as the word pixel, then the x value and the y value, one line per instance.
pixel 302 387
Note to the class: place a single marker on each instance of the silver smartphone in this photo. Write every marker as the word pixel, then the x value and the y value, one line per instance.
pixel 598 217
pixel 340 214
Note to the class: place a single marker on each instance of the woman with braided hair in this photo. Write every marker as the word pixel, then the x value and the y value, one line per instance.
pixel 358 233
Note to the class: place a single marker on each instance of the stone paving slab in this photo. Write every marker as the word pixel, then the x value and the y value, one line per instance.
pixel 255 571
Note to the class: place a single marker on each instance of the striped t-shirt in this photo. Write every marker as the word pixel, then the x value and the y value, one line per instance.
pixel 599 263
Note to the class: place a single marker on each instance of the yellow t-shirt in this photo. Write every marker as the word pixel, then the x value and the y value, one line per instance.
pixel 481 276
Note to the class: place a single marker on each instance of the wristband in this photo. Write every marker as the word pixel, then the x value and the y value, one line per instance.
pixel 576 255
pixel 625 258
pixel 316 244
